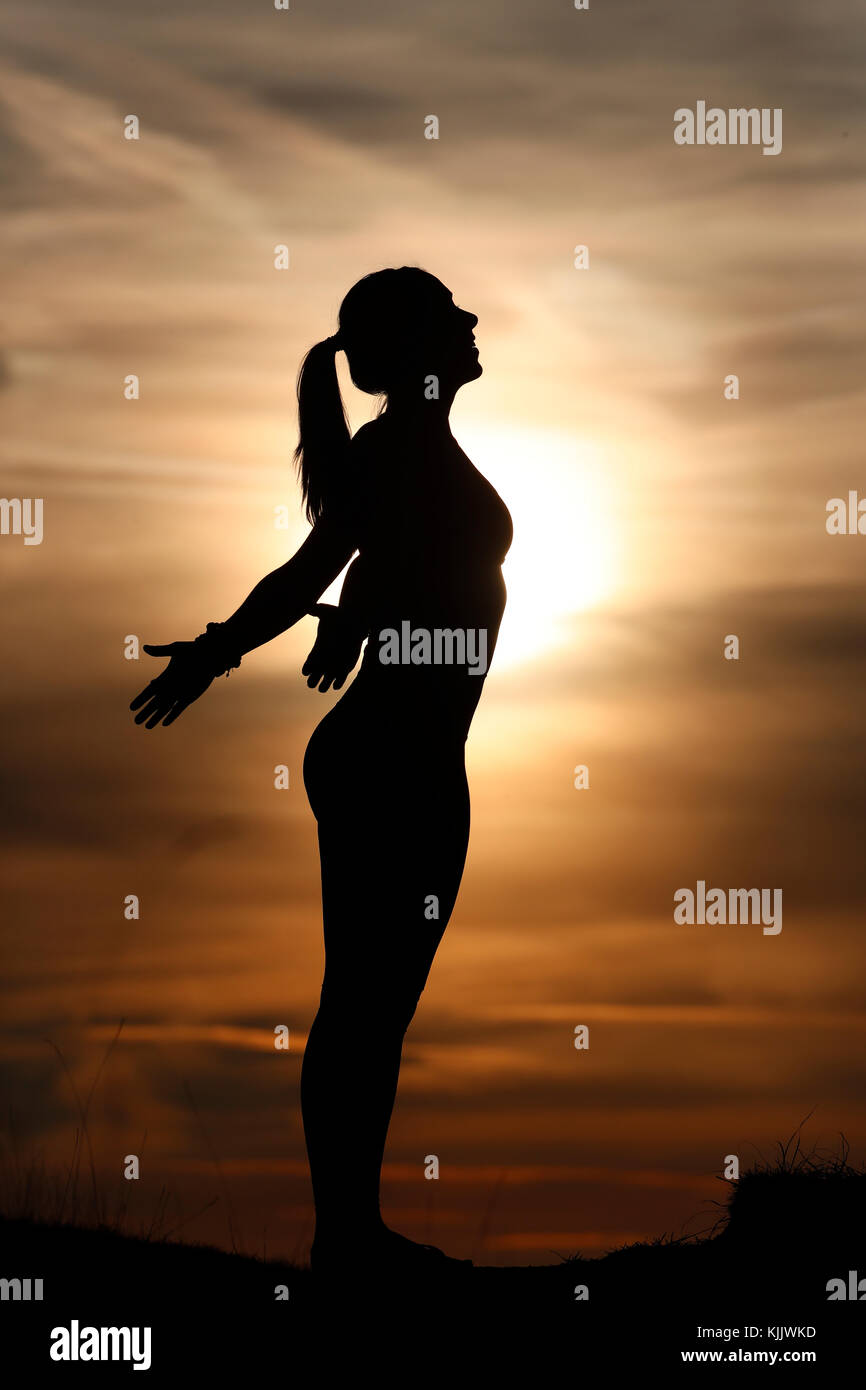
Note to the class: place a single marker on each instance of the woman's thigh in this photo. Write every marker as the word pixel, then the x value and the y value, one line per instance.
pixel 392 860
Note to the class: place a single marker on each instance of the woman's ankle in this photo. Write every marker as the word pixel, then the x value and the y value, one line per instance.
pixel 333 1234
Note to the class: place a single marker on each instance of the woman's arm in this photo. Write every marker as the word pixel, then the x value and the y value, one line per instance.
pixel 287 593
pixel 341 632
pixel 273 606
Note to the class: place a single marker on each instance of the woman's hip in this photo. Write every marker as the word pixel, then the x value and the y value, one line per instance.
pixel 352 768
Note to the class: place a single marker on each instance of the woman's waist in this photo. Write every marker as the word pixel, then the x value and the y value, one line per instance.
pixel 406 704
pixel 412 650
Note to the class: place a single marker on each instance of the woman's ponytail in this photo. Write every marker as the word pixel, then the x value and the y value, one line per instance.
pixel 324 440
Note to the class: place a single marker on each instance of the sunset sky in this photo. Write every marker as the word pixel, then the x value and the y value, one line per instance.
pixel 653 517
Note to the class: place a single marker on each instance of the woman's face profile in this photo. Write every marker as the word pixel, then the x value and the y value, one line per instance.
pixel 451 337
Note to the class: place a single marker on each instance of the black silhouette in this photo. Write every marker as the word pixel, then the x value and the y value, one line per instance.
pixel 384 770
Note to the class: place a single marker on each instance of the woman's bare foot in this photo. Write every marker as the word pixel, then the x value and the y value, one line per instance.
pixel 383 1250
pixel 398 1249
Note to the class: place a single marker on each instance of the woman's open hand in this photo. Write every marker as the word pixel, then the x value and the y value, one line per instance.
pixel 335 651
pixel 187 675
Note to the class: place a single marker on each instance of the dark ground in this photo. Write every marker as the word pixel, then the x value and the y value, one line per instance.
pixel 215 1314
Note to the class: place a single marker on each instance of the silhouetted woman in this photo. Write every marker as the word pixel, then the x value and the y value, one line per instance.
pixel 384 770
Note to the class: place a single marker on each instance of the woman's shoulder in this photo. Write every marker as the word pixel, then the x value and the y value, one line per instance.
pixel 370 439
pixel 372 454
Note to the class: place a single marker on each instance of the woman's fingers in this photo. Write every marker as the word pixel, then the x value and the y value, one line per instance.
pixel 142 695
pixel 326 672
pixel 317 660
pixel 163 711
pixel 169 714
pixel 150 691
pixel 166 706
pixel 160 717
pixel 149 709
pixel 175 712
pixel 167 649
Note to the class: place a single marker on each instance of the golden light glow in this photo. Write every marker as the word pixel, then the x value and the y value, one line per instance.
pixel 562 558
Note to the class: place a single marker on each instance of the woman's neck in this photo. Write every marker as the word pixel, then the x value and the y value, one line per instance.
pixel 429 417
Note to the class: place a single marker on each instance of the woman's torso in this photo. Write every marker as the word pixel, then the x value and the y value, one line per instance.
pixel 432 535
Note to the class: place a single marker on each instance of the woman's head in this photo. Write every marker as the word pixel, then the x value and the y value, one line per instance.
pixel 400 327
pixel 400 330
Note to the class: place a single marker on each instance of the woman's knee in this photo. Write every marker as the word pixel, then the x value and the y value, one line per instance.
pixel 365 1011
